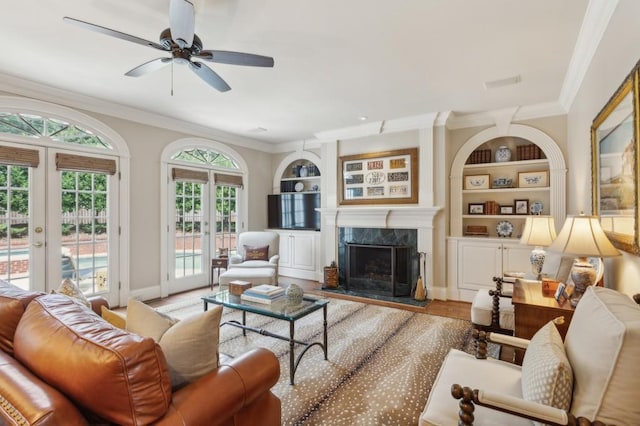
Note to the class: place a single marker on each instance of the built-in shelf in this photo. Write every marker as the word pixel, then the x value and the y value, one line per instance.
pixel 521 163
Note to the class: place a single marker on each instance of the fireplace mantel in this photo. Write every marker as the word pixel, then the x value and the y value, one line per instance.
pixel 380 216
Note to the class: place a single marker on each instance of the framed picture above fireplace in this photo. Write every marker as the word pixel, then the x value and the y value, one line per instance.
pixel 389 177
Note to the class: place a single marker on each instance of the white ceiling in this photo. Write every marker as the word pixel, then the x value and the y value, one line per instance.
pixel 334 60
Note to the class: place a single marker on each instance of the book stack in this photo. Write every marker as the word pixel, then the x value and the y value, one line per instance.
pixel 528 152
pixel 264 293
pixel 479 156
pixel 491 207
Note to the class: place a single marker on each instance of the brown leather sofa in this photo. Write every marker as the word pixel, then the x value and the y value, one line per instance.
pixel 62 364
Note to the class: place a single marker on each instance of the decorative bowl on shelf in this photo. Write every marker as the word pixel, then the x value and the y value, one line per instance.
pixel 502 182
pixel 504 229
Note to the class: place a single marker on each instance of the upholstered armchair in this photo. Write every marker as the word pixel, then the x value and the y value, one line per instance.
pixel 257 249
pixel 593 376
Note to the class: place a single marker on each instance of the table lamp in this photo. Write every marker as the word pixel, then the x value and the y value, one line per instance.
pixel 539 231
pixel 582 237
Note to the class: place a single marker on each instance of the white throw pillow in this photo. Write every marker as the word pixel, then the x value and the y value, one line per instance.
pixel 547 377
pixel 603 343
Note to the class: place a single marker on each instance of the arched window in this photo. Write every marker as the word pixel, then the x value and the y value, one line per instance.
pixel 35 126
pixel 61 176
pixel 206 157
pixel 204 203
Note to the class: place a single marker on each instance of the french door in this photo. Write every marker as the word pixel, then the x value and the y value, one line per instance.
pixel 57 221
pixel 203 220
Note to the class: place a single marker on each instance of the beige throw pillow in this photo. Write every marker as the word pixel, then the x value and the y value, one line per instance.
pixel 69 288
pixel 547 377
pixel 142 319
pixel 190 345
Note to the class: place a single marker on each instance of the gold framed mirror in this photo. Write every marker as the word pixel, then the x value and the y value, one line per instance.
pixel 615 159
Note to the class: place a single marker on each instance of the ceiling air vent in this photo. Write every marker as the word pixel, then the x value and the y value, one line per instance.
pixel 502 82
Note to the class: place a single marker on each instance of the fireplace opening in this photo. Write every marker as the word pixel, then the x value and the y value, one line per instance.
pixel 379 269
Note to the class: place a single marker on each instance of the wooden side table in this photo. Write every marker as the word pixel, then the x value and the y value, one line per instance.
pixel 532 310
pixel 218 263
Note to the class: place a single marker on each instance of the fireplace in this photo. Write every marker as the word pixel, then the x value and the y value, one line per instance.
pixel 383 270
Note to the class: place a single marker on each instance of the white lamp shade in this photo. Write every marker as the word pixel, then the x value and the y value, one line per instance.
pixel 538 231
pixel 582 236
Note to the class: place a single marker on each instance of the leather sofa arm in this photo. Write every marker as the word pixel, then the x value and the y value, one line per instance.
pixel 225 393
pixel 97 302
pixel 274 259
pixel 513 405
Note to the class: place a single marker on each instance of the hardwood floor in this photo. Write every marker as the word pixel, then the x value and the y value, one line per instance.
pixel 450 308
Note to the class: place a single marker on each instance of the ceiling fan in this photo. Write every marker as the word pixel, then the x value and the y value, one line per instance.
pixel 184 45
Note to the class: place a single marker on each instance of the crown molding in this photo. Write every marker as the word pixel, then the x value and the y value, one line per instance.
pixel 421 121
pixel 595 23
pixel 492 118
pixel 21 87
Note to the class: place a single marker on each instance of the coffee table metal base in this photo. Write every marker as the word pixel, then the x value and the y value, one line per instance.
pixel 293 361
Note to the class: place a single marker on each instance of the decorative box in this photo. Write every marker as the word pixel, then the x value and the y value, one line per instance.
pixel 549 287
pixel 238 287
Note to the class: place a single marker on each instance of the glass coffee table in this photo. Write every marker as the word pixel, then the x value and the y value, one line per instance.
pixel 279 309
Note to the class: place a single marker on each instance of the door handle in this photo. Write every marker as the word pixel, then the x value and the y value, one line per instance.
pixel 38 244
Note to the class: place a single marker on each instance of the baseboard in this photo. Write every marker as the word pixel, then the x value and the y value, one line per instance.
pixel 147 293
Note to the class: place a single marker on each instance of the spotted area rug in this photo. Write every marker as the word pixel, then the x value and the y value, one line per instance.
pixel 382 361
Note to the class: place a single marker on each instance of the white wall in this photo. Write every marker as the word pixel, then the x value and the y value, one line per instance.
pixel 617 54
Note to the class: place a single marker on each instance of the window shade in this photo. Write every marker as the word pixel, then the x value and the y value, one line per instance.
pixel 85 164
pixel 189 175
pixel 19 156
pixel 228 180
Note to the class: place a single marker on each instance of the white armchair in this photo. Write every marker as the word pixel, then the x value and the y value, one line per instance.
pixel 257 249
pixel 593 376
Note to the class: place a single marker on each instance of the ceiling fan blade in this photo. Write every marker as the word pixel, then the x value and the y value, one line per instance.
pixel 182 22
pixel 209 76
pixel 236 58
pixel 114 33
pixel 148 67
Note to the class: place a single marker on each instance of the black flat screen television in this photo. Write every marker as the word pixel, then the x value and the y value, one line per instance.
pixel 294 211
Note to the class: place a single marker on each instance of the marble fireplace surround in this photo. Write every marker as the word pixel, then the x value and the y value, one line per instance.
pixel 385 221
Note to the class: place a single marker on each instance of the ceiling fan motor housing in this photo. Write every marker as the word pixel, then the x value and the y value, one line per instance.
pixel 167 41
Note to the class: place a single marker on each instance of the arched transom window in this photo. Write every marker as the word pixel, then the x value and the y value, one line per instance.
pixel 35 126
pixel 205 156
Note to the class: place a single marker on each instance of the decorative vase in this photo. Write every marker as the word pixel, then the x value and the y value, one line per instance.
pixel 503 154
pixel 304 171
pixel 583 275
pixel 294 294
pixel 536 258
